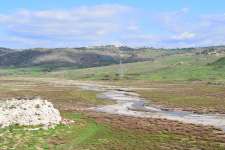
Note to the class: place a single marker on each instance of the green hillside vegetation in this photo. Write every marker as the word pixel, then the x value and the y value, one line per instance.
pixel 171 68
pixel 219 63
pixel 5 50
pixel 101 63
pixel 52 59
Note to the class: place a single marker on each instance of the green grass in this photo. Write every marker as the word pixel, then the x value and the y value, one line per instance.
pixel 177 67
pixel 219 63
pixel 170 68
pixel 200 97
pixel 62 96
pixel 34 71
pixel 189 72
pixel 87 134
pixel 62 137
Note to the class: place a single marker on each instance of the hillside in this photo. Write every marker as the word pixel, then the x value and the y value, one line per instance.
pixel 84 57
pixel 177 67
pixel 71 57
pixel 100 63
pixel 54 58
pixel 219 63
pixel 5 51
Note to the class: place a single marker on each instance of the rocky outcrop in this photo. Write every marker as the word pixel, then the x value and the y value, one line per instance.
pixel 28 112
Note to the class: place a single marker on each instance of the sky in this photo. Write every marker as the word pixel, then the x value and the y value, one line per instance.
pixel 136 23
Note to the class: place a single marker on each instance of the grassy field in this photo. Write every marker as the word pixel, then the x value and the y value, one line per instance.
pixel 64 97
pixel 198 97
pixel 35 71
pixel 170 68
pixel 100 131
pixel 88 134
pixel 181 81
pixel 179 67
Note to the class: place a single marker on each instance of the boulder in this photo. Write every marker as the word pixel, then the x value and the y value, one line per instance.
pixel 28 112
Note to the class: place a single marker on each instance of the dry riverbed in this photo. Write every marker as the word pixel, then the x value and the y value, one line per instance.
pixel 199 97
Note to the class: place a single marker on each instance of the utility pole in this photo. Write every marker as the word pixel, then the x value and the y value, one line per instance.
pixel 121 70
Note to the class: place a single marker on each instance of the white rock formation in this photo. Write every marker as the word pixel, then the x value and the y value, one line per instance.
pixel 28 113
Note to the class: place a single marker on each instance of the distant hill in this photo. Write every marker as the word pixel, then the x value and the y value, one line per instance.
pixel 54 58
pixel 84 57
pixel 65 57
pixel 212 50
pixel 5 50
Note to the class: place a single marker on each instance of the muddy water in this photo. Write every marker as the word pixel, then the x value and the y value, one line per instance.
pixel 131 104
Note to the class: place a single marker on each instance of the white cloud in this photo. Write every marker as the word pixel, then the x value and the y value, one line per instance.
pixel 184 36
pixel 109 24
pixel 90 23
pixel 185 29
pixel 173 21
pixel 133 27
